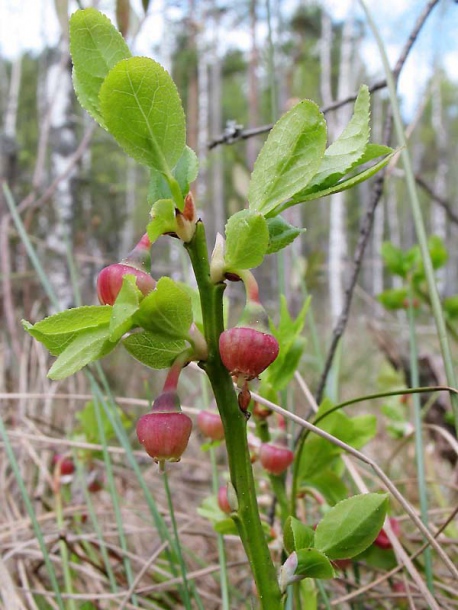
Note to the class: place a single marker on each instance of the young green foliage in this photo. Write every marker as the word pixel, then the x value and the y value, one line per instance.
pixel 142 109
pixel 296 535
pixel 96 46
pixel 289 159
pixel 153 349
pixel 57 331
pixel 247 239
pixel 343 154
pixel 126 304
pixel 351 526
pixel 281 234
pixel 166 311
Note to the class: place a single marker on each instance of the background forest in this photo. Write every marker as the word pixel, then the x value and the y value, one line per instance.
pixel 82 204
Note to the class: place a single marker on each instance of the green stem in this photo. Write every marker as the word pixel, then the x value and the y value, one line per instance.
pixel 247 518
pixel 63 547
pixel 419 450
pixel 184 576
pixel 220 539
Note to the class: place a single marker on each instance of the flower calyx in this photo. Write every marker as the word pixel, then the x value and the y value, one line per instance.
pixel 165 431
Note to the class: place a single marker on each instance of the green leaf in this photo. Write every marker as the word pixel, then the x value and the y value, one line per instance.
pixel 184 172
pixel 57 331
pixel 126 304
pixel 289 158
pixel 87 346
pixel 297 535
pixel 450 305
pixel 371 152
pixel 351 526
pixel 281 234
pixel 329 484
pixel 343 185
pixel 166 311
pixel 194 295
pixel 437 251
pixel 311 563
pixel 226 527
pixel 349 147
pixel 163 219
pixel 286 364
pixel 318 453
pixel 397 261
pixel 142 110
pixel 305 563
pixel 88 423
pixel 393 298
pixel 288 334
pixel 154 350
pixel 247 238
pixel 96 46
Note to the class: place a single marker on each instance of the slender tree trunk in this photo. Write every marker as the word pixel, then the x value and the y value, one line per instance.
pixel 216 119
pixel 8 144
pixel 203 110
pixel 63 143
pixel 337 229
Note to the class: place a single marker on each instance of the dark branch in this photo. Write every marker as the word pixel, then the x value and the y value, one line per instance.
pixel 441 201
pixel 235 132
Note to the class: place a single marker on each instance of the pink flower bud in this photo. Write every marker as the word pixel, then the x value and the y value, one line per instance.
pixel 110 279
pixel 246 351
pixel 275 458
pixel 165 431
pixel 210 424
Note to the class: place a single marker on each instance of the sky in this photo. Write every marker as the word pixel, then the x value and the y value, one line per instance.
pixel 29 24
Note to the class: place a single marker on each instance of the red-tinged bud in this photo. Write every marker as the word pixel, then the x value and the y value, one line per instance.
pixel 275 458
pixel 223 502
pixel 261 411
pixel 166 430
pixel 186 220
pixel 210 424
pixel 246 351
pixel 382 540
pixel 110 280
pixel 65 465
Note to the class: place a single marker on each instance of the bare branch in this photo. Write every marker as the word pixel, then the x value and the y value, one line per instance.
pixel 235 133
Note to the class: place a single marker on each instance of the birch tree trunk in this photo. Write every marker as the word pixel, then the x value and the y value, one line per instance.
pixel 203 109
pixel 8 145
pixel 252 148
pixel 337 228
pixel 217 171
pixel 59 95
